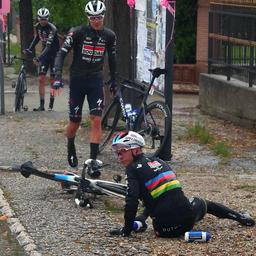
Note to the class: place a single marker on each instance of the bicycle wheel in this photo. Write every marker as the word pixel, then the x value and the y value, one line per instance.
pixel 154 127
pixel 19 93
pixel 112 121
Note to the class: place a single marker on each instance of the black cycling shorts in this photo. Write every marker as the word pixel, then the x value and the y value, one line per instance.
pixel 175 226
pixel 166 226
pixel 199 207
pixel 92 86
pixel 45 64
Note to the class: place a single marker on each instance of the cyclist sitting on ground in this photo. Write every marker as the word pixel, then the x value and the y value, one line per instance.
pixel 46 32
pixel 155 183
pixel 89 43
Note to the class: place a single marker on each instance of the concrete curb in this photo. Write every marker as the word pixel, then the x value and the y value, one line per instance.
pixel 17 229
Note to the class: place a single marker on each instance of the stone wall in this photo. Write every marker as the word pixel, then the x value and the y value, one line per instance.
pixel 231 100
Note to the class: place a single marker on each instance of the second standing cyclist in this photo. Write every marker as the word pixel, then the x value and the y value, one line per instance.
pixel 46 32
pixel 90 43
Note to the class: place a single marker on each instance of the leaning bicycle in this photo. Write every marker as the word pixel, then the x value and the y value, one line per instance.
pixel 20 86
pixel 152 120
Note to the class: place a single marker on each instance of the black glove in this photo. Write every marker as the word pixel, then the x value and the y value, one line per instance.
pixel 112 86
pixel 36 60
pixel 119 232
pixel 57 84
pixel 27 52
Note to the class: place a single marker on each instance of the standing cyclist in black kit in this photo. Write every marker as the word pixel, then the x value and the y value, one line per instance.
pixel 90 44
pixel 46 32
pixel 155 183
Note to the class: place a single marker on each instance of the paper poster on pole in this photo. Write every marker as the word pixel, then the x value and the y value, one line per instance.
pixel 147 64
pixel 150 40
pixel 140 5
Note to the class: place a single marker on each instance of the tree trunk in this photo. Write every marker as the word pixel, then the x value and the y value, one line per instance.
pixel 26 29
pixel 118 19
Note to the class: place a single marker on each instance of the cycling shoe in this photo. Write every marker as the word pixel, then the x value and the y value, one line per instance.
pixel 246 220
pixel 39 109
pixel 92 167
pixel 72 158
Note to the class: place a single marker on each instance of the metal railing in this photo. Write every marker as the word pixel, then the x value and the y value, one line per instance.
pixel 232 42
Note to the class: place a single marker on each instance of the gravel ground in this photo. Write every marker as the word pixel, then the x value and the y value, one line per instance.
pixel 46 221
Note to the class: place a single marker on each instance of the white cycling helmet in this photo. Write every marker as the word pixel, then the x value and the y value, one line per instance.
pixel 128 140
pixel 43 13
pixel 94 8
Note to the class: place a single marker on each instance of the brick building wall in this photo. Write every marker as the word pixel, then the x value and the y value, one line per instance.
pixel 202 30
pixel 202 38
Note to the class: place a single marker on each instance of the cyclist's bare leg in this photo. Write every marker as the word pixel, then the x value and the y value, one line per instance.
pixel 42 79
pixel 41 90
pixel 51 95
pixel 71 130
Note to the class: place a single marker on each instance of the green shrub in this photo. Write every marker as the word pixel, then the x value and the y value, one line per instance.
pixel 199 132
pixel 15 49
pixel 221 148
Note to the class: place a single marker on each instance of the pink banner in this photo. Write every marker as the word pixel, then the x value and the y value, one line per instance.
pixel 131 3
pixel 3 19
pixel 5 7
pixel 167 5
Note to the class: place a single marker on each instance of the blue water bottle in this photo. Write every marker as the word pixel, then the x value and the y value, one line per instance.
pixel 129 113
pixel 137 225
pixel 197 236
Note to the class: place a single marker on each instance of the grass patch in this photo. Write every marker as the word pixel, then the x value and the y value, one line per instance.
pixel 18 119
pixel 112 207
pixel 15 49
pixel 247 187
pixel 86 123
pixel 60 130
pixel 200 133
pixel 221 148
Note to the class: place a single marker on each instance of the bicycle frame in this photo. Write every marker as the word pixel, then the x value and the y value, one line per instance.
pixel 83 185
pixel 119 96
pixel 20 86
pixel 23 65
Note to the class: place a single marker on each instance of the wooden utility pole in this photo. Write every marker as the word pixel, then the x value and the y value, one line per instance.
pixel 26 28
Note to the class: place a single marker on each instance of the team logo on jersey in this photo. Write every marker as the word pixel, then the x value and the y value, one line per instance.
pixel 154 164
pixel 91 50
pixel 43 36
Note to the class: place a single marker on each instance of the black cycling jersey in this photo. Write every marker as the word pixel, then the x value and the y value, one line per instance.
pixel 89 48
pixel 48 36
pixel 155 183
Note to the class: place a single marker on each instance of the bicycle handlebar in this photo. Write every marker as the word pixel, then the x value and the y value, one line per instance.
pixel 17 58
pixel 158 72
